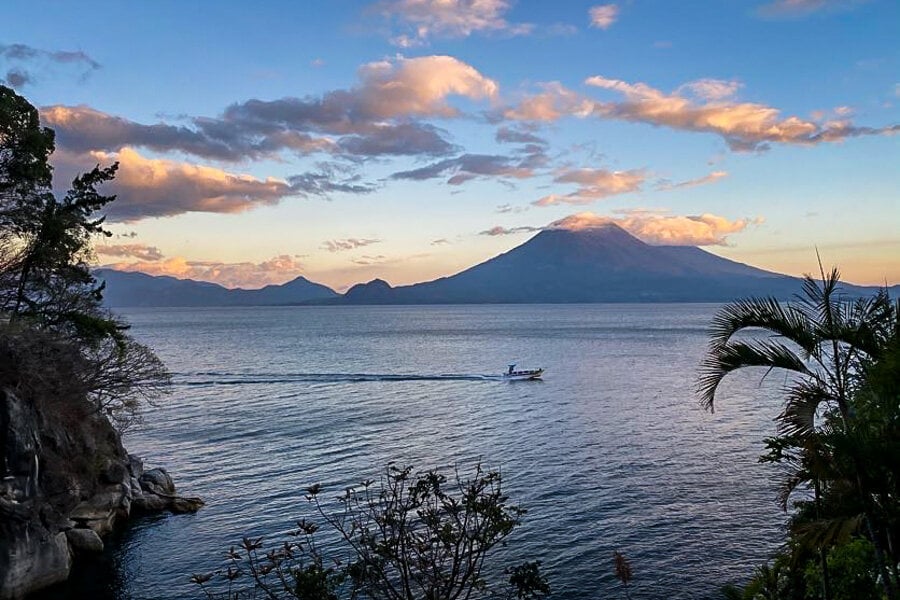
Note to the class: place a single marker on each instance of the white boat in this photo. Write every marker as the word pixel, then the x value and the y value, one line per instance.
pixel 513 375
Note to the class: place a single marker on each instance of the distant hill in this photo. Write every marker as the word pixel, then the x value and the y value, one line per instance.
pixel 602 264
pixel 138 289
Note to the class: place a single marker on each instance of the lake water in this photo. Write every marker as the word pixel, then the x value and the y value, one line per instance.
pixel 610 452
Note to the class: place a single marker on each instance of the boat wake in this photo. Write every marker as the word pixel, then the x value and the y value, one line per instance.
pixel 212 379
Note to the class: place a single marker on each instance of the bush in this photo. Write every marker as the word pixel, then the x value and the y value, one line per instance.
pixel 408 536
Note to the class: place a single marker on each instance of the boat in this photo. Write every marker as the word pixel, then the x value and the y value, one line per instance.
pixel 522 374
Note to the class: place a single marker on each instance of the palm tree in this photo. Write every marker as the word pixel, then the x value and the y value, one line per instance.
pixel 829 343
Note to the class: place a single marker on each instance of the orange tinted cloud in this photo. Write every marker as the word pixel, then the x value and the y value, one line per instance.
pixel 594 184
pixel 705 105
pixel 711 178
pixel 248 275
pixel 138 251
pixel 553 102
pixel 663 229
pixel 420 86
pixel 151 187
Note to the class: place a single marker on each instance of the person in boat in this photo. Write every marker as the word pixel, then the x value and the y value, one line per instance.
pixel 511 367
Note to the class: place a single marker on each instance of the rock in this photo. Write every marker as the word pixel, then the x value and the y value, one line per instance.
pixel 148 502
pixel 32 559
pixel 157 481
pixel 115 472
pixel 102 510
pixel 135 466
pixel 65 480
pixel 84 540
pixel 185 505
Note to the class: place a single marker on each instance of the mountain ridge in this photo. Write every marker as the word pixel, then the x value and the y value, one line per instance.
pixel 598 264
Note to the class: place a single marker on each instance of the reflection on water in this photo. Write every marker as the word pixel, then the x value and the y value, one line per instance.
pixel 611 452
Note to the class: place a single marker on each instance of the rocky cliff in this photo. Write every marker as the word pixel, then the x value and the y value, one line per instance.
pixel 66 482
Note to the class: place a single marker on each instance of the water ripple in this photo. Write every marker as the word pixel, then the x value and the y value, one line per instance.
pixel 611 452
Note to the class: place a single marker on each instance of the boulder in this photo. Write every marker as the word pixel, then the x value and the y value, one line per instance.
pixel 149 502
pixel 84 541
pixel 135 466
pixel 157 481
pixel 185 505
pixel 32 558
pixel 115 472
pixel 102 510
pixel 65 482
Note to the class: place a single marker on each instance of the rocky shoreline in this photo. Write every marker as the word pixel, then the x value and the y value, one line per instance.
pixel 65 485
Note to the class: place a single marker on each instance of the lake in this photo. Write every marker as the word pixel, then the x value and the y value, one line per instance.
pixel 610 452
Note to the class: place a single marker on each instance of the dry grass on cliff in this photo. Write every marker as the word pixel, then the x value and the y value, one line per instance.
pixel 111 378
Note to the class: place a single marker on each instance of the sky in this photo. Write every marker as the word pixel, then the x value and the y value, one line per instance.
pixel 411 139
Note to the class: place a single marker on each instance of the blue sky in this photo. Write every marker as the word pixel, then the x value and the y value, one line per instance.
pixel 409 139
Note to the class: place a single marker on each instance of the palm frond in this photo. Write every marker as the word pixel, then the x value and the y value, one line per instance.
pixel 734 355
pixel 801 405
pixel 818 295
pixel 764 313
pixel 824 533
pixel 789 484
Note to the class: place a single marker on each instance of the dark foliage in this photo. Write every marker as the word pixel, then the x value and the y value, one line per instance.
pixel 408 536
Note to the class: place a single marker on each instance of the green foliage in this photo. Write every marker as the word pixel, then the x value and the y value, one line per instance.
pixel 407 537
pixel 838 442
pixel 851 568
pixel 50 302
pixel 25 148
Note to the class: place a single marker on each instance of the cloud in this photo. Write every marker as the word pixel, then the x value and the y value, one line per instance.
pixel 711 89
pixel 498 230
pixel 27 58
pixel 705 105
pixel 745 126
pixel 348 244
pixel 440 242
pixel 603 15
pixel 594 184
pixel 420 86
pixel 149 187
pixel 663 229
pixel 375 118
pixel 84 129
pixel 793 8
pixel 508 135
pixel 138 251
pixel 553 102
pixel 17 78
pixel 398 88
pixel 366 260
pixel 403 139
pixel 425 19
pixel 249 275
pixel 325 182
pixel 713 177
pixel 469 166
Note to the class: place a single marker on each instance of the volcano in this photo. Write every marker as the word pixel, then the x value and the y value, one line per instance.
pixel 598 264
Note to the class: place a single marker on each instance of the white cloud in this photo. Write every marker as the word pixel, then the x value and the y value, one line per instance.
pixel 426 19
pixel 603 15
